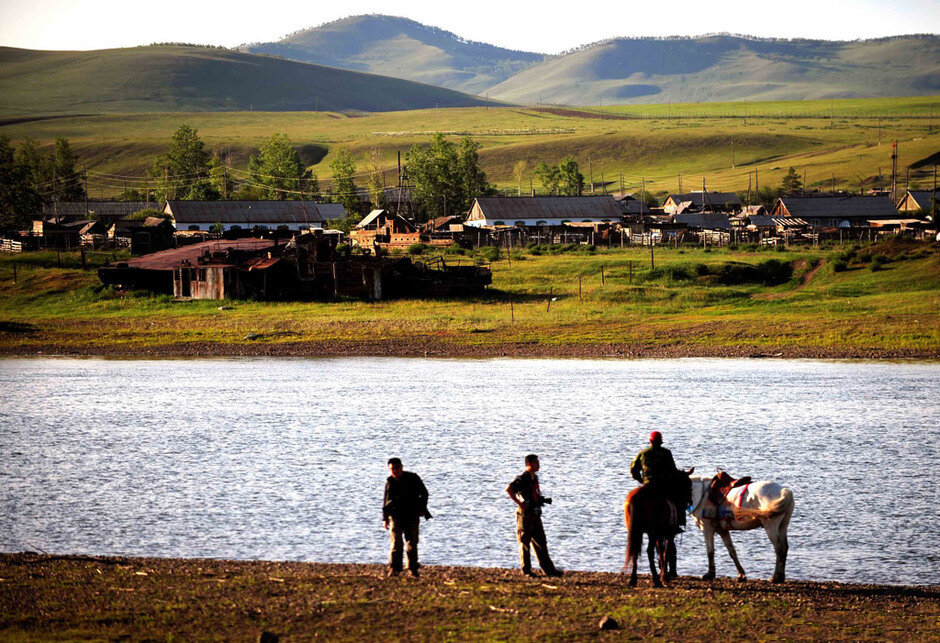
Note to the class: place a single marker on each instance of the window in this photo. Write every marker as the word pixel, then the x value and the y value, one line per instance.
pixel 499 223
pixel 541 223
pixel 193 228
pixel 519 224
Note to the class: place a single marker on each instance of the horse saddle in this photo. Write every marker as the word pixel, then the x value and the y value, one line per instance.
pixel 718 489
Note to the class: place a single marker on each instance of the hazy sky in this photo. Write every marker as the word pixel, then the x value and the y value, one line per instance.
pixel 96 24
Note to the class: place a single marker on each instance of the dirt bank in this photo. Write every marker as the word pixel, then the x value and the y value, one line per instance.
pixel 46 597
pixel 432 348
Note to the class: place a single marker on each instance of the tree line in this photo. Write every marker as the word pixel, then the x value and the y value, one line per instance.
pixel 444 177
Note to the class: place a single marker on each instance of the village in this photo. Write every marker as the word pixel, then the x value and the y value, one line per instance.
pixel 287 249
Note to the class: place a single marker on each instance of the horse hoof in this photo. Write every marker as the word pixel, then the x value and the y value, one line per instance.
pixel 709 576
pixel 742 579
pixel 776 579
pixel 632 582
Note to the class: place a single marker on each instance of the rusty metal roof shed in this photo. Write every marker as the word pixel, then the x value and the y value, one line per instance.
pixel 252 212
pixel 166 259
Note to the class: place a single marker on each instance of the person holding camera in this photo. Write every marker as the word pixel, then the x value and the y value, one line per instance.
pixel 406 501
pixel 524 491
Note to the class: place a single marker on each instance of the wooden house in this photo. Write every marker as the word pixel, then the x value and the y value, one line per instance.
pixel 925 201
pixel 192 216
pixel 542 211
pixel 835 212
pixel 702 202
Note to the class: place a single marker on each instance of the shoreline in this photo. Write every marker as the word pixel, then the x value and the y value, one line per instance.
pixel 416 348
pixel 48 596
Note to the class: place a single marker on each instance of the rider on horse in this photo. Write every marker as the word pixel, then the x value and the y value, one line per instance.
pixel 656 469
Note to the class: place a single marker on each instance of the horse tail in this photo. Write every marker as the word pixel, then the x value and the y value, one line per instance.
pixel 782 505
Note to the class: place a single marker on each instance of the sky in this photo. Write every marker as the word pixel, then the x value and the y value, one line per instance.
pixel 100 24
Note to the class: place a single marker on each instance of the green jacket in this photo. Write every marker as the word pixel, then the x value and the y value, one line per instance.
pixel 653 463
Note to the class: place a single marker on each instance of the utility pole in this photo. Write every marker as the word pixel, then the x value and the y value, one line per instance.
pixel 803 187
pixel 621 184
pixel 831 125
pixel 749 188
pixel 756 185
pixel 603 183
pixel 85 184
pixel 591 172
pixel 705 202
pixel 732 155
pixel 933 201
pixel 894 172
pixel 679 177
pixel 745 113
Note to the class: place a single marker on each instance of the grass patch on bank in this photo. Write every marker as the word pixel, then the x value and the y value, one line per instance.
pixel 718 298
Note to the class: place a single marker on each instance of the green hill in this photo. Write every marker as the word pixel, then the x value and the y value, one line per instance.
pixel 187 78
pixel 404 49
pixel 721 68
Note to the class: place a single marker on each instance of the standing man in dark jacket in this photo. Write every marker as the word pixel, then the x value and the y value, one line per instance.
pixel 525 492
pixel 406 500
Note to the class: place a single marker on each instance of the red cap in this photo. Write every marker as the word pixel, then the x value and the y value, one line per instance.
pixel 656 436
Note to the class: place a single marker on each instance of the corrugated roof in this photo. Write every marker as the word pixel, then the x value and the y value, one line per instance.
pixel 843 207
pixel 102 209
pixel 166 259
pixel 252 212
pixel 704 220
pixel 372 216
pixel 549 207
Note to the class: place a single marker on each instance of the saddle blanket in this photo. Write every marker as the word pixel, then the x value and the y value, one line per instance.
pixel 725 511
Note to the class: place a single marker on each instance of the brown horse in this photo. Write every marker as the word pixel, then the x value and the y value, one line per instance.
pixel 648 511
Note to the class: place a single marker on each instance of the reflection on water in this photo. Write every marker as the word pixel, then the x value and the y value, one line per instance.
pixel 285 458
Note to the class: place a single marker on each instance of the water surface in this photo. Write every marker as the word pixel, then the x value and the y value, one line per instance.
pixel 284 459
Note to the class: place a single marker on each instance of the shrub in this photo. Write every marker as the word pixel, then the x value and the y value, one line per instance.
pixel 878 263
pixel 839 265
pixel 490 253
pixel 455 249
pixel 416 249
pixel 864 257
pixel 701 269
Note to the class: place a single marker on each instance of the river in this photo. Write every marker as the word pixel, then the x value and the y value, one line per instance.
pixel 284 459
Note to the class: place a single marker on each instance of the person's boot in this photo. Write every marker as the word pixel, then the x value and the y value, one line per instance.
pixel 414 573
pixel 391 572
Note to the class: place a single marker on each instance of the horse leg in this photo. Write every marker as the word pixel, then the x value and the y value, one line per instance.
pixel 653 546
pixel 777 533
pixel 671 559
pixel 708 530
pixel 664 546
pixel 726 539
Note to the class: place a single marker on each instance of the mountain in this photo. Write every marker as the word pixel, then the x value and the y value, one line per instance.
pixel 723 67
pixel 402 48
pixel 172 78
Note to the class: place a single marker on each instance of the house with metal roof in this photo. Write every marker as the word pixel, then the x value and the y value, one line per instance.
pixel 539 211
pixel 850 211
pixel 702 202
pixel 919 200
pixel 107 211
pixel 245 215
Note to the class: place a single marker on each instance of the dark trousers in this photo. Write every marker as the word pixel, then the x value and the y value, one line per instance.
pixel 531 533
pixel 403 530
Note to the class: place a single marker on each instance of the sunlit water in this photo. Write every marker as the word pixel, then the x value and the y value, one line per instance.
pixel 284 459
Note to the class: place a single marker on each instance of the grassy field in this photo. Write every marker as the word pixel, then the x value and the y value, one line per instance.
pixel 641 142
pixel 696 302
pixel 59 597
